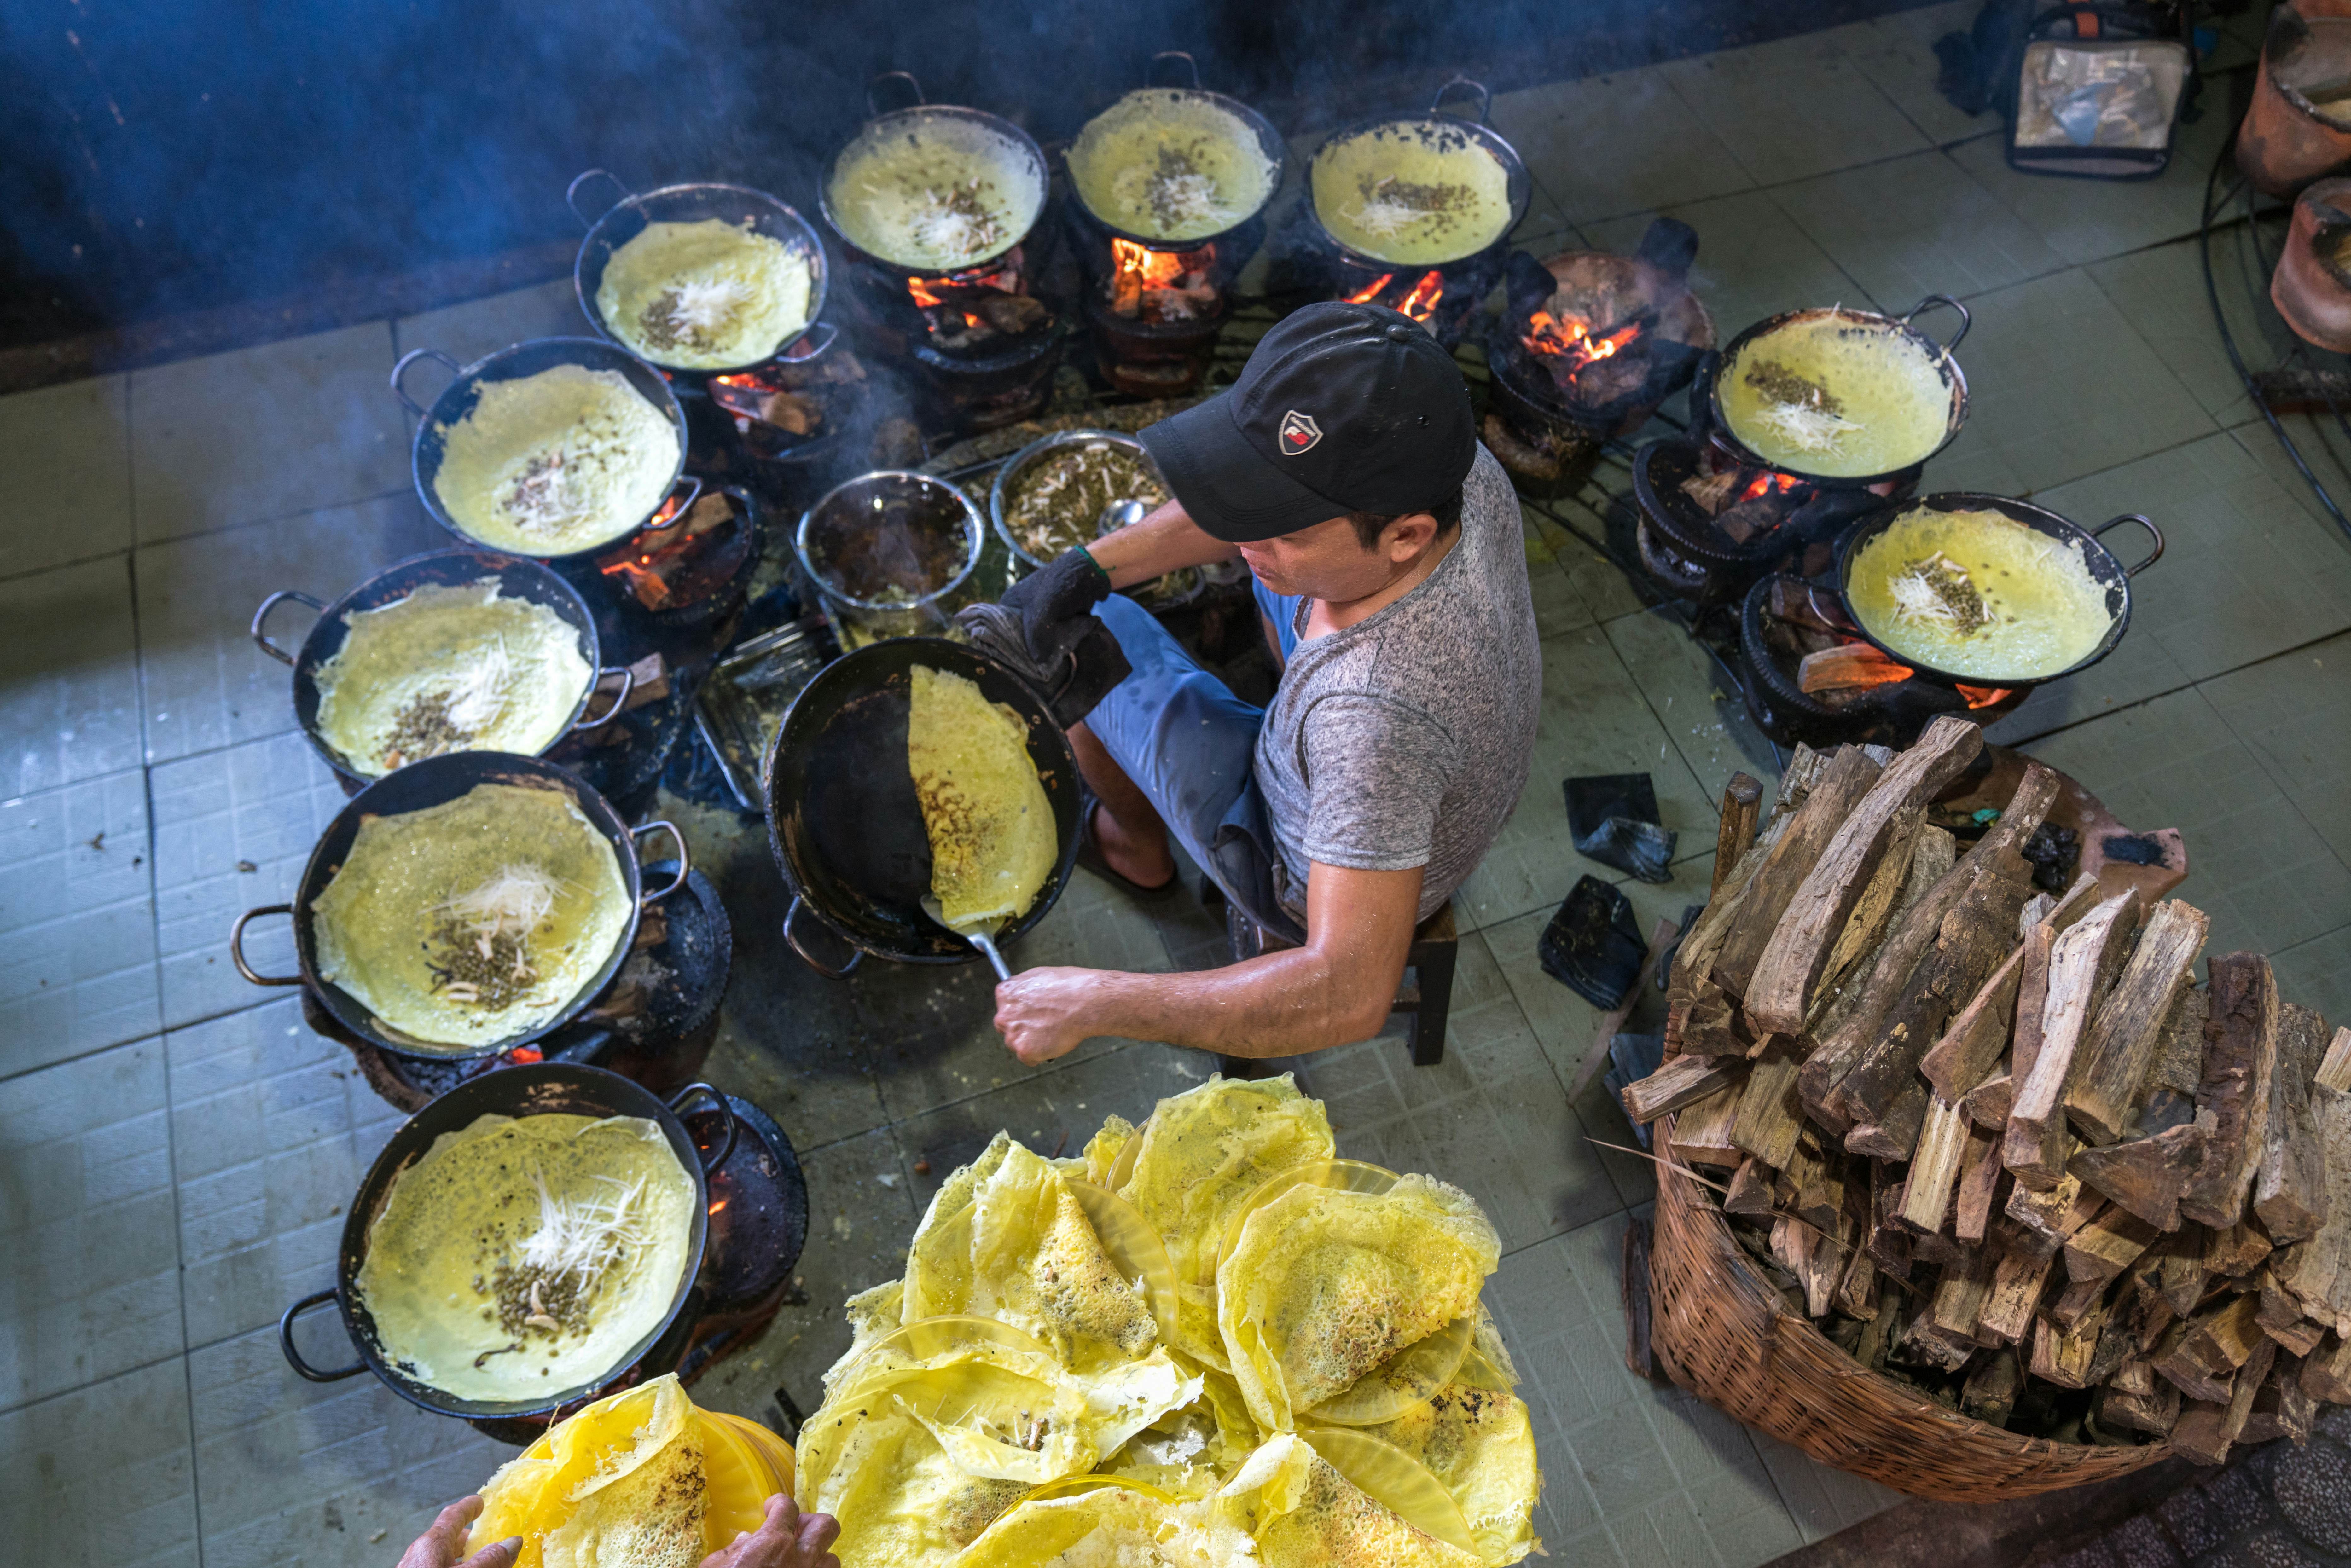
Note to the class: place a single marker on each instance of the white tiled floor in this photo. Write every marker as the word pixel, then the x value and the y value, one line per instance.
pixel 176 1148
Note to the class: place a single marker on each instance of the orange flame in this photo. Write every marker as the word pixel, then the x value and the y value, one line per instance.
pixel 1146 267
pixel 1372 293
pixel 1571 340
pixel 1421 303
pixel 1984 696
pixel 930 301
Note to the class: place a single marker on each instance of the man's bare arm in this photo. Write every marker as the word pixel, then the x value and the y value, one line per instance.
pixel 1337 990
pixel 1160 543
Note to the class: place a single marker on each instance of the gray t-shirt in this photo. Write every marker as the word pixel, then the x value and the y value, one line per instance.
pixel 1404 739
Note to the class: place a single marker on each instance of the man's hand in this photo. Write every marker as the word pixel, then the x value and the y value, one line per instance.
pixel 439 1546
pixel 1042 1013
pixel 787 1537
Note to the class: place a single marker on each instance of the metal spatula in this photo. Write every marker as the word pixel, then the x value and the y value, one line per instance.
pixel 980 933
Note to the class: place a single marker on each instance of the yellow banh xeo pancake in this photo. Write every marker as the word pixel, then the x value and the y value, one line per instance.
pixel 1202 1153
pixel 522 1257
pixel 705 296
pixel 1110 1527
pixel 623 1475
pixel 1979 594
pixel 993 843
pixel 1326 1285
pixel 1416 192
pixel 1170 165
pixel 450 668
pixel 1475 1438
pixel 935 196
pixel 901 1502
pixel 1831 394
pixel 557 463
pixel 470 922
pixel 1305 1513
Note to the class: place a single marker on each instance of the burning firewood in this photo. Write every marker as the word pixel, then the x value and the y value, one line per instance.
pixel 1995 1141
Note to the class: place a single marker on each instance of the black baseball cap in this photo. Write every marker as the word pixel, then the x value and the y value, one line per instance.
pixel 1343 408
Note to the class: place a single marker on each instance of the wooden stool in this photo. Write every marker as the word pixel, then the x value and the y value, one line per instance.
pixel 1426 997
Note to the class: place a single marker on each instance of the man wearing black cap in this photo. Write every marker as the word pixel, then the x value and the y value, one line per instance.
pixel 1343 467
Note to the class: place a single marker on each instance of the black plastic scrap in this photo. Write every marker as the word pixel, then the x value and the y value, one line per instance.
pixel 1593 945
pixel 1613 817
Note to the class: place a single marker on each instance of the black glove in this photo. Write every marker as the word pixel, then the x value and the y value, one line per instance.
pixel 1044 631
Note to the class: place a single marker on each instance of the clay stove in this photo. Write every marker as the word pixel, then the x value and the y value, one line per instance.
pixel 982 344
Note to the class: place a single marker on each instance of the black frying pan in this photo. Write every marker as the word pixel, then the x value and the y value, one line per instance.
pixel 2109 572
pixel 516 363
pixel 542 1089
pixel 1439 127
pixel 519 578
pixel 430 783
pixel 842 818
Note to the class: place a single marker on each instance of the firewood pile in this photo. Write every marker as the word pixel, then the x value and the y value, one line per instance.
pixel 1997 1143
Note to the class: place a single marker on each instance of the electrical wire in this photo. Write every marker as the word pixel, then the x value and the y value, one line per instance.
pixel 2228 339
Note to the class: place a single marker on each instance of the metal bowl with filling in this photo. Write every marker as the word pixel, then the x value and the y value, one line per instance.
pixel 548 449
pixel 934 188
pixel 1175 163
pixel 887 552
pixel 464 905
pixel 1986 590
pixel 1418 189
pixel 1052 495
pixel 1843 398
pixel 521 1242
pixel 454 651
pixel 701 277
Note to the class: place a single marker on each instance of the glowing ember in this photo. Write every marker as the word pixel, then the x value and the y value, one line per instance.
pixel 1766 484
pixel 1419 302
pixel 1984 696
pixel 1371 292
pixel 1573 340
pixel 1161 285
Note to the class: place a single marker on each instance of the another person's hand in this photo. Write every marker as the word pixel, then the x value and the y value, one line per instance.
pixel 1042 1013
pixel 787 1537
pixel 439 1546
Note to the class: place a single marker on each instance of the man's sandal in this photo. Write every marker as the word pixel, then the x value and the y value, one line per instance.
pixel 1090 854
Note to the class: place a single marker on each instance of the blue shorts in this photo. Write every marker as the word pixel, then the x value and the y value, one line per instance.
pixel 1190 746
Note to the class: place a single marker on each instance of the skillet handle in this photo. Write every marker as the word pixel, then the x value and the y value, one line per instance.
pixel 1189 64
pixel 693 483
pixel 237 946
pixel 810 960
pixel 294 1357
pixel 1967 319
pixel 262 615
pixel 2152 532
pixel 620 699
pixel 874 110
pixel 401 370
pixel 685 862
pixel 1485 97
pixel 571 193
pixel 831 335
pixel 725 1115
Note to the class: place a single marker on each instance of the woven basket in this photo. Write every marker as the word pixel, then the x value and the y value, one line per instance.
pixel 1728 1338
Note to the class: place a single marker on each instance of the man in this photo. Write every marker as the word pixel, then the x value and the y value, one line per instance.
pixel 786 1539
pixel 1344 468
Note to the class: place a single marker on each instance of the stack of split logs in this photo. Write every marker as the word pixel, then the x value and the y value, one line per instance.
pixel 1999 1143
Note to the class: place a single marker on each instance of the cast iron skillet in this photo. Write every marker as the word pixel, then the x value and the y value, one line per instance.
pixel 841 814
pixel 1894 329
pixel 1269 142
pixel 2110 573
pixel 541 1089
pixel 737 205
pixel 916 117
pixel 1518 185
pixel 519 578
pixel 411 789
pixel 464 389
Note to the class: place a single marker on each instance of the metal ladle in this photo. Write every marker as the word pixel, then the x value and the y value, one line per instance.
pixel 1120 515
pixel 980 933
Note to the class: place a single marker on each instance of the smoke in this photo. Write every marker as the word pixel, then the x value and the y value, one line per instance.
pixel 169 154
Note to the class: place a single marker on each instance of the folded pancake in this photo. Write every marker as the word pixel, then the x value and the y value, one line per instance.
pixel 620 1481
pixel 1305 1513
pixel 1024 1250
pixel 1475 1438
pixel 993 843
pixel 1201 1154
pixel 1326 1285
pixel 450 668
pixel 871 1314
pixel 473 921
pixel 524 1256
pixel 1110 1526
pixel 557 463
pixel 704 296
pixel 901 1501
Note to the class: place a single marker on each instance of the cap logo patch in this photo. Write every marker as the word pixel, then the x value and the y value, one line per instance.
pixel 1299 433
